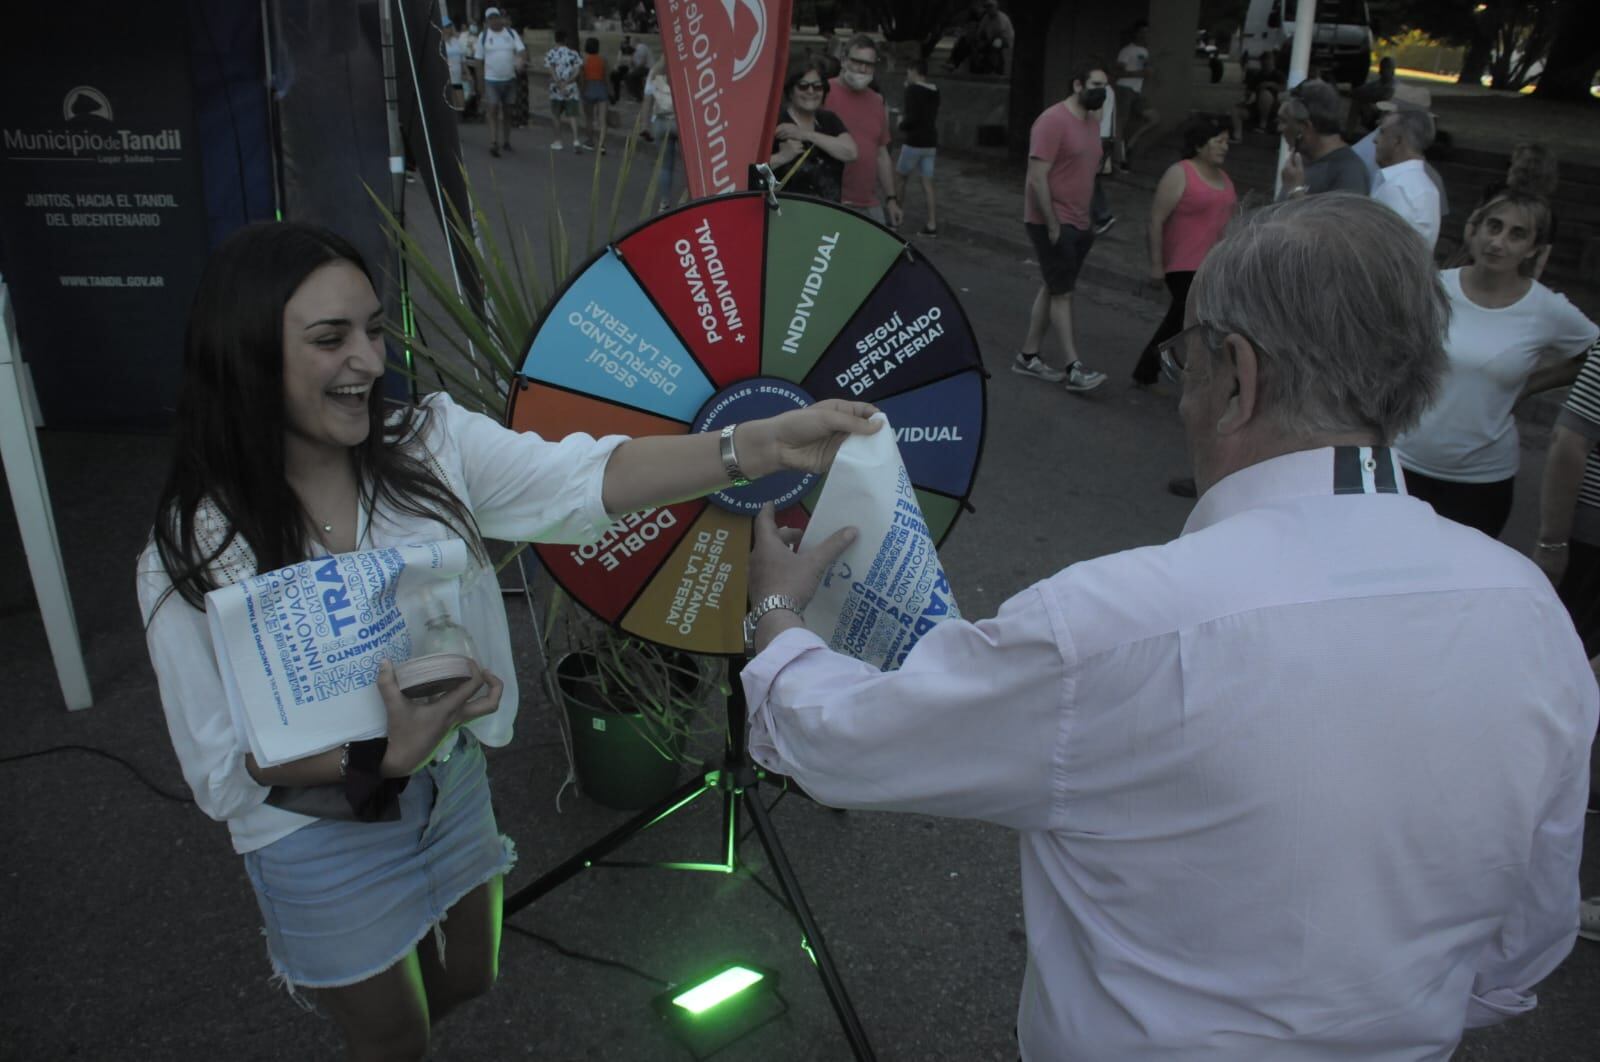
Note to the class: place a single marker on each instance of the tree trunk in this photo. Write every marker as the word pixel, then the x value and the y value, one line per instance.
pixel 567 19
pixel 1026 99
pixel 1476 61
pixel 1575 56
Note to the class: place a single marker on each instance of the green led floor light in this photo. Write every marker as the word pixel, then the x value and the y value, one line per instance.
pixel 711 1012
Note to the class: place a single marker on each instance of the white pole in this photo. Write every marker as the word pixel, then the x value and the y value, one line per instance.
pixel 1305 28
pixel 19 446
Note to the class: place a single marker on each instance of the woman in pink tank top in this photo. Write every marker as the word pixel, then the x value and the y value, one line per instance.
pixel 1194 202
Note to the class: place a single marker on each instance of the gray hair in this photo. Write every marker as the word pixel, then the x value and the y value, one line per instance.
pixel 1415 126
pixel 1344 307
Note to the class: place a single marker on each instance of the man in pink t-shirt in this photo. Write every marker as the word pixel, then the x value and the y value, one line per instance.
pixel 866 118
pixel 1063 155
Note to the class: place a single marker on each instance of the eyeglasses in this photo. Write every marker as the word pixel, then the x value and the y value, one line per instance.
pixel 1174 352
pixel 810 86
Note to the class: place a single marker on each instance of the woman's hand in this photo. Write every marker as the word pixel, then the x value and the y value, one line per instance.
pixel 805 440
pixel 788 150
pixel 790 131
pixel 416 729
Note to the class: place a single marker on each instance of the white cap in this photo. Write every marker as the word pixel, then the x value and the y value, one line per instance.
pixel 492 12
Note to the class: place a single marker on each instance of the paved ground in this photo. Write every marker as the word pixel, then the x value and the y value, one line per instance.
pixel 129 930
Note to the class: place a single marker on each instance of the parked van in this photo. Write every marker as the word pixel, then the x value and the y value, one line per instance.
pixel 1342 43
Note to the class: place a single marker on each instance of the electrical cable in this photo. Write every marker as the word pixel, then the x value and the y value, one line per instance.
pixel 148 784
pixel 598 960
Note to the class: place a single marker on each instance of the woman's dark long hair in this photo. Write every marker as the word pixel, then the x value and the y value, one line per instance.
pixel 229 445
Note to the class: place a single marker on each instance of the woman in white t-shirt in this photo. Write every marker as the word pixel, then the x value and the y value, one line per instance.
pixel 1510 336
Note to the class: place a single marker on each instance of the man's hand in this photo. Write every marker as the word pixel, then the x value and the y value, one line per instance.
pixel 776 567
pixel 1052 229
pixel 416 728
pixel 1294 171
pixel 892 211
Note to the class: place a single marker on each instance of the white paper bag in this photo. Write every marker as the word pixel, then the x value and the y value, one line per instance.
pixel 299 648
pixel 888 589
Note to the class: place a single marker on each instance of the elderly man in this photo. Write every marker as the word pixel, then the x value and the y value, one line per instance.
pixel 1306 782
pixel 1319 159
pixel 1403 136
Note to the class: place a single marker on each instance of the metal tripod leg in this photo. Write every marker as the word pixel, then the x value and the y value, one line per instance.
pixel 597 851
pixel 818 948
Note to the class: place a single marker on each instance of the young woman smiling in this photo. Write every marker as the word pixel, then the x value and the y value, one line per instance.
pixel 286 450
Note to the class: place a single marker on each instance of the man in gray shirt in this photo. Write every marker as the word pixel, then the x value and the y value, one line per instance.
pixel 1310 119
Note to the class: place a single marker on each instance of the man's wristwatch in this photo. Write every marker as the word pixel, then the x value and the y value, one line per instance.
pixel 761 608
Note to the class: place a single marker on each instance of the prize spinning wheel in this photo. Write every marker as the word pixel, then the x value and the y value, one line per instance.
pixel 726 310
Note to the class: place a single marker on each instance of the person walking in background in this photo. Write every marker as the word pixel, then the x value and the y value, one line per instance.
pixel 502 52
pixel 1319 159
pixel 595 95
pixel 1133 71
pixel 1063 156
pixel 621 68
pixel 811 146
pixel 1263 85
pixel 1193 204
pixel 662 126
pixel 1510 337
pixel 869 177
pixel 996 41
pixel 920 127
pixel 565 65
pixel 1365 113
pixel 1403 135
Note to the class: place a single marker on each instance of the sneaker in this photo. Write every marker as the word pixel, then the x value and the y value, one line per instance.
pixel 1589 919
pixel 1081 379
pixel 1030 365
pixel 1104 226
pixel 556 146
pixel 929 231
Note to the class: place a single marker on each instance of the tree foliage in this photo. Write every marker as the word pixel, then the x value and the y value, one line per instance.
pixel 1507 39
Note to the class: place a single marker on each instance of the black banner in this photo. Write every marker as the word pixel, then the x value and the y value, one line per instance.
pixel 102 215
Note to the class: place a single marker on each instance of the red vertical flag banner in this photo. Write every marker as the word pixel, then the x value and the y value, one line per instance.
pixel 726 59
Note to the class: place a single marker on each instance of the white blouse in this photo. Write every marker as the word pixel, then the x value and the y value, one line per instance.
pixel 518 487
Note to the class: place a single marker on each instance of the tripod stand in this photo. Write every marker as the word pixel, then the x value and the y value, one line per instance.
pixel 739 781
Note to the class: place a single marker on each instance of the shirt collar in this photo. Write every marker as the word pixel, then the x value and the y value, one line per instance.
pixel 1303 474
pixel 1401 168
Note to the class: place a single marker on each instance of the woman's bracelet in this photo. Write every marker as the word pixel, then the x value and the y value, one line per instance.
pixel 1550 547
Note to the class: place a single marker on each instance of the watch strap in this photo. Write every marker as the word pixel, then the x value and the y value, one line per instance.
pixel 730 458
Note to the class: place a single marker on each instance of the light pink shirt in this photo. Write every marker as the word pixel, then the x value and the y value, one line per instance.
pixel 1306 783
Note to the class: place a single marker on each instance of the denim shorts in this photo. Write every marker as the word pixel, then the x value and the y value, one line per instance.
pixel 343 901
pixel 500 93
pixel 915 160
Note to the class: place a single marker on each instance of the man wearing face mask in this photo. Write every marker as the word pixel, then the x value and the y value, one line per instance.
pixel 866 117
pixel 1063 156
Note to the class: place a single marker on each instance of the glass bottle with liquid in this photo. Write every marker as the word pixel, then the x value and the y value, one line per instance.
pixel 443 658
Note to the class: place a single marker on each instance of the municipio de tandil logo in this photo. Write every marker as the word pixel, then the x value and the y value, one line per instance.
pixel 89 128
pixel 85 101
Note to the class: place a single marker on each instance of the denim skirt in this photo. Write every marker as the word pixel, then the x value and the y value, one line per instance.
pixel 344 901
